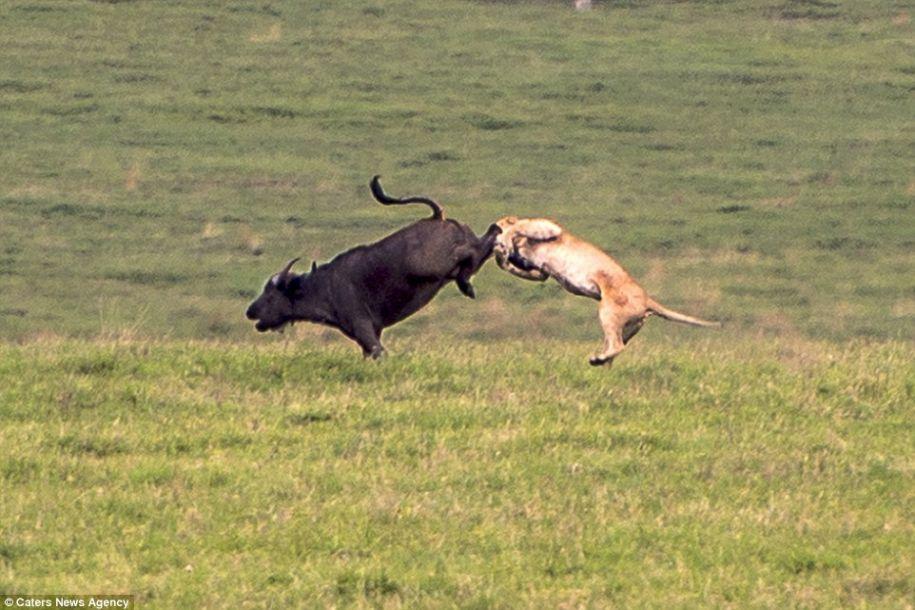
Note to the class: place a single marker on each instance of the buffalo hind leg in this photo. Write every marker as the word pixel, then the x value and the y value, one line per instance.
pixel 474 259
pixel 464 270
pixel 488 242
pixel 464 285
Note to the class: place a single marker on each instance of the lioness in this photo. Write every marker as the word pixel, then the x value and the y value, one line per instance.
pixel 537 249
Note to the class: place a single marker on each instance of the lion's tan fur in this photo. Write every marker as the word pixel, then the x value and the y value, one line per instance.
pixel 547 250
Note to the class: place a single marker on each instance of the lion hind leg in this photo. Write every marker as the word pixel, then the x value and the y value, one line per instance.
pixel 609 315
pixel 632 327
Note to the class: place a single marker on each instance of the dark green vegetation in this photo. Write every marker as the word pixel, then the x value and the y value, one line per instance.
pixel 198 475
pixel 746 161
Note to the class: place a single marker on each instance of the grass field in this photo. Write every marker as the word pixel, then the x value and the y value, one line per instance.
pixel 198 475
pixel 747 161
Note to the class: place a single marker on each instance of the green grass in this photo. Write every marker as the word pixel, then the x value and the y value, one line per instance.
pixel 746 161
pixel 207 475
pixel 749 161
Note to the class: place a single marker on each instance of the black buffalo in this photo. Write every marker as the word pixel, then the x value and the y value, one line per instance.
pixel 368 288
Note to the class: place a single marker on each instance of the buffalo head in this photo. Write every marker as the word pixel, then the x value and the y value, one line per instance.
pixel 275 307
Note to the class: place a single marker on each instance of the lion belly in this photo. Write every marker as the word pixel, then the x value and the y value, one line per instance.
pixel 568 265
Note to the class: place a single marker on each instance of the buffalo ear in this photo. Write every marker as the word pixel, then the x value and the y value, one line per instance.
pixel 314 266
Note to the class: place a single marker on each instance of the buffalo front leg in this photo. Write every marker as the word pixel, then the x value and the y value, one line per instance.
pixel 368 336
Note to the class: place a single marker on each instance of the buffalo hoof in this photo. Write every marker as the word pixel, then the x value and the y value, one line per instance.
pixel 466 289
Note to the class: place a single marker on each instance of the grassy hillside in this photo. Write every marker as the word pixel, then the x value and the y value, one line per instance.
pixel 747 160
pixel 221 475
